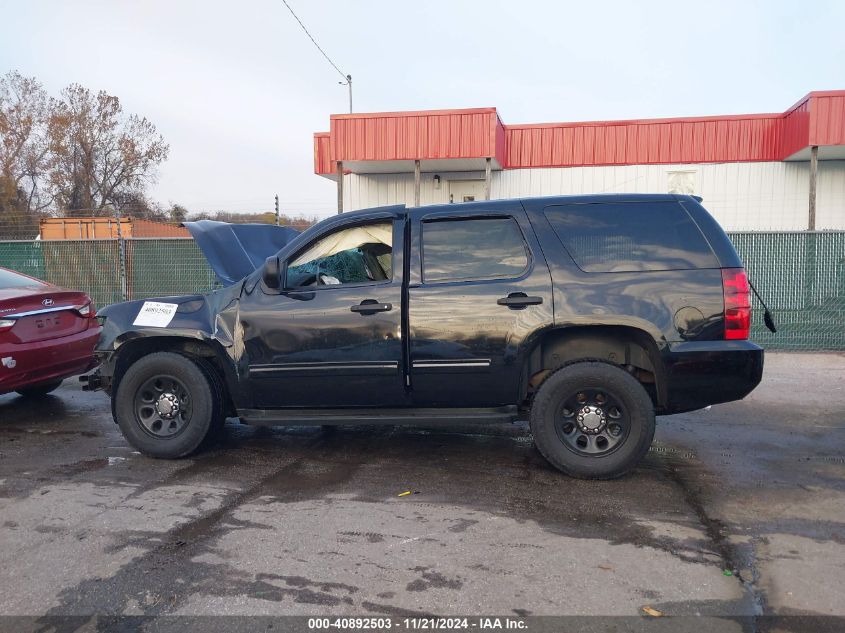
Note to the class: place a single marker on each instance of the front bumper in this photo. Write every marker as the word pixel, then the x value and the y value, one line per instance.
pixel 101 378
pixel 698 374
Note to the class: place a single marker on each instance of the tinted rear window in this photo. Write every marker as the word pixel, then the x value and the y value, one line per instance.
pixel 484 248
pixel 630 236
pixel 9 279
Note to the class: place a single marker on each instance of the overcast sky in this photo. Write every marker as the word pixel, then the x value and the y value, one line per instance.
pixel 237 89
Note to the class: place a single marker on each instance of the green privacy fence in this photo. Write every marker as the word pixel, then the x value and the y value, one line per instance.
pixel 163 267
pixel 153 267
pixel 800 274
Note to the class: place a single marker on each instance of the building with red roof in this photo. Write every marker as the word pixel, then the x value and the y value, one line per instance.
pixel 779 171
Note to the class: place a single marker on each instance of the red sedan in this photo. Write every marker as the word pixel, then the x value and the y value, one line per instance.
pixel 47 334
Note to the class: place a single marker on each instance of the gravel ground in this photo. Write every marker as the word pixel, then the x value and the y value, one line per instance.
pixel 737 510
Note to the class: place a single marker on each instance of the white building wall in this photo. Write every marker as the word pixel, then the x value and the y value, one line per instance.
pixel 741 196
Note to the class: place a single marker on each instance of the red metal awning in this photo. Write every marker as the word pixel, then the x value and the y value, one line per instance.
pixel 462 140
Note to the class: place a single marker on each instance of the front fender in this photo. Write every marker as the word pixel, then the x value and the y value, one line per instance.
pixel 212 316
pixel 211 321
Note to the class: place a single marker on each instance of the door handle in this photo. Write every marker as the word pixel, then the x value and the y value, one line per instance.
pixel 519 300
pixel 370 306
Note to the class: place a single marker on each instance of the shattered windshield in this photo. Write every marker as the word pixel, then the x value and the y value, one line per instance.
pixel 354 255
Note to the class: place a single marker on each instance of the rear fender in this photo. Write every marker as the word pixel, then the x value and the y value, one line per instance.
pixel 630 348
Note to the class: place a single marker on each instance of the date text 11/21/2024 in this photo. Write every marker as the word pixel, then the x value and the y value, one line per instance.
pixel 415 624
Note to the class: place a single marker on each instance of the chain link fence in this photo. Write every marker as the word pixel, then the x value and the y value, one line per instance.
pixel 800 274
pixel 801 277
pixel 154 267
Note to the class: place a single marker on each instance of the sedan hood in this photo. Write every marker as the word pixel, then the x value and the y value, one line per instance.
pixel 235 250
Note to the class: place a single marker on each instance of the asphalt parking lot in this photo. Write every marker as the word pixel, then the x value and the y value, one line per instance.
pixel 738 510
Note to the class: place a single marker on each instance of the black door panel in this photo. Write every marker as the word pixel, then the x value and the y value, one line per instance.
pixel 320 353
pixel 468 337
pixel 328 345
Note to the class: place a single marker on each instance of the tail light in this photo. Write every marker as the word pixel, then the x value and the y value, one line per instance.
pixel 87 310
pixel 737 294
pixel 6 324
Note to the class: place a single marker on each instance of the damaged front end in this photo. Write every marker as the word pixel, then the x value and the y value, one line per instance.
pixel 201 325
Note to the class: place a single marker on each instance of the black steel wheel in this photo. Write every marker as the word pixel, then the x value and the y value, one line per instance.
pixel 163 406
pixel 167 404
pixel 592 420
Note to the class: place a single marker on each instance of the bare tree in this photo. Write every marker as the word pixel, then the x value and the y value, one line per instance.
pixel 138 205
pixel 100 155
pixel 177 213
pixel 24 151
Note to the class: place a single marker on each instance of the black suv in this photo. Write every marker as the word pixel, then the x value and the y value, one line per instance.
pixel 586 315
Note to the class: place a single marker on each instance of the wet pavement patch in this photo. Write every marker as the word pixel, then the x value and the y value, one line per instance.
pixel 302 521
pixel 431 579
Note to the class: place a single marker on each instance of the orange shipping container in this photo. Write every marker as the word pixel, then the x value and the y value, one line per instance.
pixel 92 228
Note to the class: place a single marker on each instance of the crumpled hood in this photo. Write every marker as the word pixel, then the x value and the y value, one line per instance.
pixel 235 250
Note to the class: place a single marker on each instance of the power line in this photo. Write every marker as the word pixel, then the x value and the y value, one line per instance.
pixel 311 37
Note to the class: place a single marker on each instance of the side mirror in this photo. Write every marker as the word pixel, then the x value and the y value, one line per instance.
pixel 273 272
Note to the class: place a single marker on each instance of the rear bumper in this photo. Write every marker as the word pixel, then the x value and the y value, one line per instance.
pixel 30 364
pixel 698 374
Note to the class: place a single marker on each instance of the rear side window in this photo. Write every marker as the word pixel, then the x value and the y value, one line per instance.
pixel 484 248
pixel 630 236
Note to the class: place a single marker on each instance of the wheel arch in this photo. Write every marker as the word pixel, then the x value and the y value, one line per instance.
pixel 212 354
pixel 630 348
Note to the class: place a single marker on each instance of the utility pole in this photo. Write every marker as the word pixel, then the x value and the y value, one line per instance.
pixel 487 178
pixel 814 174
pixel 348 82
pixel 277 209
pixel 121 258
pixel 416 183
pixel 340 186
pixel 811 249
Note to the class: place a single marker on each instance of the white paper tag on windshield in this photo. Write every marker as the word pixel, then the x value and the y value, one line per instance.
pixel 155 314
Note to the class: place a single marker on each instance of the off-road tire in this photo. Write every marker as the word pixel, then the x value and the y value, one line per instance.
pixel 206 415
pixel 595 376
pixel 216 432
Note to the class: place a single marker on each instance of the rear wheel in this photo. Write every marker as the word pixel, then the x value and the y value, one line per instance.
pixel 167 405
pixel 592 420
pixel 39 390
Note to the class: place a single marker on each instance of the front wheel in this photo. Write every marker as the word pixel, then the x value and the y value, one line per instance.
pixel 166 405
pixel 592 420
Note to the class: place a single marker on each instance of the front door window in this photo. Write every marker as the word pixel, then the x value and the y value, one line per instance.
pixel 355 255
